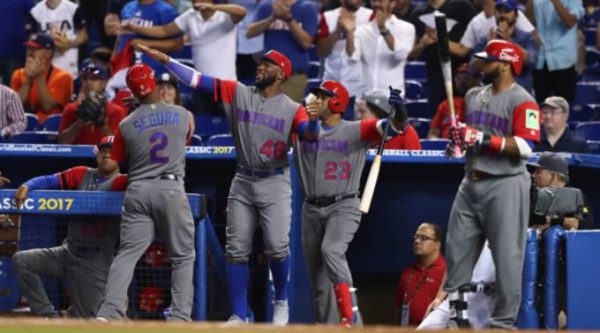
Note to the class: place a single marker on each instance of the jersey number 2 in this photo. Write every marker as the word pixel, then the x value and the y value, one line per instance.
pixel 159 142
pixel 331 170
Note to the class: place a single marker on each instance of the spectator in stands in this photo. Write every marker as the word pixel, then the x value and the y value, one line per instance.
pixel 13 33
pixel 12 116
pixel 112 19
pixel 419 283
pixel 65 22
pixel 74 127
pixel 94 12
pixel 464 80
pixel 556 136
pixel 181 6
pixel 335 27
pixel 382 46
pixel 556 22
pixel 211 27
pixel 374 104
pixel 289 26
pixel 169 90
pixel 43 88
pixel 480 26
pixel 248 49
pixel 506 29
pixel 404 9
pixel 84 257
pixel 461 11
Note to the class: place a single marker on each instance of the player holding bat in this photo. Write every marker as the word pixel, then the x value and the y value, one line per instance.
pixel 330 170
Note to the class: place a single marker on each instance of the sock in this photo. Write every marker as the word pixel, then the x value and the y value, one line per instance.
pixel 280 271
pixel 237 279
pixel 344 301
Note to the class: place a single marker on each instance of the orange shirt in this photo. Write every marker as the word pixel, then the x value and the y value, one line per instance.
pixel 60 87
pixel 409 140
pixel 91 135
pixel 441 120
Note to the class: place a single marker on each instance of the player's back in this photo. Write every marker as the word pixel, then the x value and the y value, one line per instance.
pixel 155 136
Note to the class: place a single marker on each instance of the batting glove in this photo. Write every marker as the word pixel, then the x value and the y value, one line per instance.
pixel 467 137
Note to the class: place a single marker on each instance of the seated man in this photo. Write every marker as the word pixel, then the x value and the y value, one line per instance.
pixel 374 104
pixel 85 256
pixel 556 136
pixel 420 282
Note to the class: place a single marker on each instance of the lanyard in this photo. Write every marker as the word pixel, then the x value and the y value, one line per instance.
pixel 419 286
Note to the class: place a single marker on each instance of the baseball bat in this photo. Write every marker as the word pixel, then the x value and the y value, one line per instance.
pixel 367 197
pixel 444 53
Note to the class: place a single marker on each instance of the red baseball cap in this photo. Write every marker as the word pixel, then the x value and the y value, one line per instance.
pixel 106 141
pixel 501 50
pixel 280 60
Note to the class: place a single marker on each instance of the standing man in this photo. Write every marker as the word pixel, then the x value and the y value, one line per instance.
pixel 336 26
pixel 289 26
pixel 556 22
pixel 152 142
pixel 12 115
pixel 85 256
pixel 261 119
pixel 382 46
pixel 502 124
pixel 330 170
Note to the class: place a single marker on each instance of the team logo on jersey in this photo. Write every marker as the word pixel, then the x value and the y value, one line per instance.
pixel 532 120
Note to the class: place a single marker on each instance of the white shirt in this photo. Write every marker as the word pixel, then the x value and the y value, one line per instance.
pixel 60 18
pixel 381 67
pixel 335 68
pixel 480 25
pixel 213 42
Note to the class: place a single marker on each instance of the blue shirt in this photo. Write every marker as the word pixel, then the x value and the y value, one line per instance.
pixel 278 36
pixel 567 142
pixel 156 13
pixel 13 34
pixel 559 43
pixel 526 41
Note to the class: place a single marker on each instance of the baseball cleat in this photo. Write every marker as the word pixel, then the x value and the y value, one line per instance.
pixel 234 320
pixel 281 313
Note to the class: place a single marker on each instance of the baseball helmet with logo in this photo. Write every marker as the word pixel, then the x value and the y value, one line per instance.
pixel 140 80
pixel 338 93
pixel 501 50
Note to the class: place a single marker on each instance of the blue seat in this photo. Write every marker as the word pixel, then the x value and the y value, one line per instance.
pixel 434 144
pixel 207 126
pixel 415 70
pixel 220 140
pixel 421 125
pixel 418 109
pixel 588 130
pixel 314 70
pixel 581 113
pixel 312 83
pixel 587 93
pixel 52 123
pixel 590 36
pixel 592 56
pixel 33 122
pixel 594 147
pixel 196 140
pixel 40 137
pixel 414 90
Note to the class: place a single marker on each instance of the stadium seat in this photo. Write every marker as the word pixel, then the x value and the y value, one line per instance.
pixel 594 147
pixel 314 70
pixel 52 123
pixel 434 144
pixel 414 90
pixel 590 36
pixel 415 70
pixel 207 126
pixel 592 56
pixel 312 83
pixel 418 109
pixel 421 125
pixel 220 140
pixel 32 122
pixel 587 93
pixel 40 137
pixel 196 140
pixel 312 54
pixel 587 112
pixel 588 130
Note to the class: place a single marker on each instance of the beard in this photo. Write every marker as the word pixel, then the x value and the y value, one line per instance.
pixel 489 78
pixel 264 82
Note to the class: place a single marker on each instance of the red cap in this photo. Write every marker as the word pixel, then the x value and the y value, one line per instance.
pixel 280 60
pixel 140 80
pixel 106 141
pixel 501 50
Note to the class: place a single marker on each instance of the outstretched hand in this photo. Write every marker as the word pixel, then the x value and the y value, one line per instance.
pixel 152 53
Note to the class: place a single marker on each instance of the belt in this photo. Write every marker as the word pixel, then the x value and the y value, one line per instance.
pixel 168 176
pixel 298 71
pixel 479 175
pixel 474 288
pixel 328 201
pixel 259 173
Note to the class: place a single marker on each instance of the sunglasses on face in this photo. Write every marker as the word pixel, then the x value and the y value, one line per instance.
pixel 422 237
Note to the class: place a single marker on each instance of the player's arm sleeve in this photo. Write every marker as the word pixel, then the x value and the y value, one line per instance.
pixel 307 130
pixel 49 182
pixel 65 180
pixel 120 183
pixel 118 147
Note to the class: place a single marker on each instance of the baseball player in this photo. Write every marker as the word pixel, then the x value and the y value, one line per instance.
pixel 330 170
pixel 86 254
pixel 502 124
pixel 152 142
pixel 261 119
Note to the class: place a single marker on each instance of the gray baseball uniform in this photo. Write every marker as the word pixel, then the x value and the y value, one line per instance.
pixel 493 199
pixel 152 139
pixel 83 259
pixel 330 171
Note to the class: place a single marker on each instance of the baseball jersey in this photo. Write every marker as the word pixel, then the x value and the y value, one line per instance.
pixel 99 231
pixel 333 164
pixel 65 18
pixel 511 113
pixel 152 140
pixel 261 126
